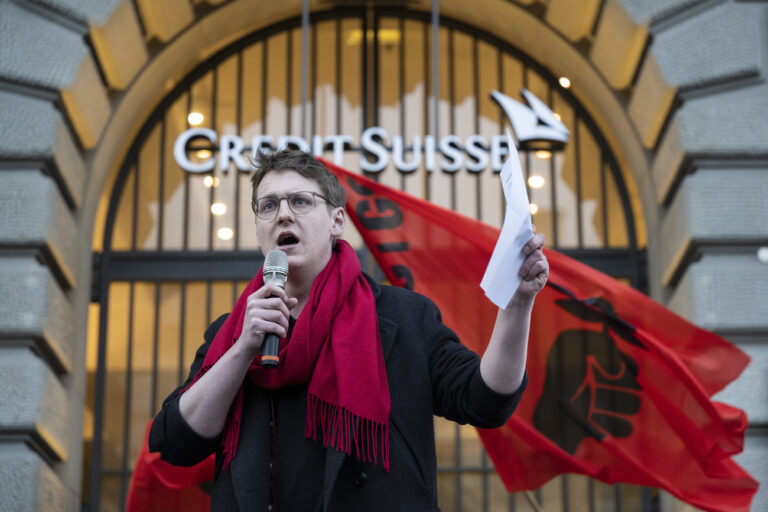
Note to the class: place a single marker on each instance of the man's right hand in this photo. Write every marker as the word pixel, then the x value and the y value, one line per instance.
pixel 267 310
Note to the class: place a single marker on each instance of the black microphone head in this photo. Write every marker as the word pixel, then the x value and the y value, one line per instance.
pixel 276 268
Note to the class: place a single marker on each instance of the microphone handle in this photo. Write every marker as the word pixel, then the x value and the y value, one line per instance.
pixel 270 350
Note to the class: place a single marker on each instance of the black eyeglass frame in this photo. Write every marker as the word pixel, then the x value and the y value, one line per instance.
pixel 255 203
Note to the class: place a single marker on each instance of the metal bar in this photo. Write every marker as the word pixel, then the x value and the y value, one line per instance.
pixel 264 85
pixel 476 93
pixel 189 266
pixel 100 385
pixel 577 168
pixel 617 497
pixel 161 187
pixel 564 491
pixel 155 350
pixel 436 68
pixel 604 200
pixel 364 84
pixel 313 76
pixel 208 302
pixel 425 107
pixel 460 469
pixel 135 205
pixel 376 71
pixel 646 496
pixel 502 198
pixel 591 494
pixel 553 186
pixel 289 81
pixel 239 123
pixel 452 100
pixel 339 83
pixel 182 331
pixel 527 152
pixel 485 483
pixel 401 87
pixel 128 396
pixel 214 121
pixel 304 65
pixel 185 217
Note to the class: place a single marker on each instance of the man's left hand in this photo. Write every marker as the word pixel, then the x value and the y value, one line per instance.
pixel 534 271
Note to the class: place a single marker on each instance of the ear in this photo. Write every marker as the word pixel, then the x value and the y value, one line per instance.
pixel 338 220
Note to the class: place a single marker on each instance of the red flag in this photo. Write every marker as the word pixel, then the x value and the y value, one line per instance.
pixel 157 486
pixel 619 386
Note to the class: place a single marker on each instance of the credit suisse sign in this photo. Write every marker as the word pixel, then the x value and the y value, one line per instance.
pixel 532 122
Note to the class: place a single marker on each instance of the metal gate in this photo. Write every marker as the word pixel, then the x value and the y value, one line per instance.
pixel 170 263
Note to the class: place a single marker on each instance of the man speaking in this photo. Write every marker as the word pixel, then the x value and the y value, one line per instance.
pixel 340 418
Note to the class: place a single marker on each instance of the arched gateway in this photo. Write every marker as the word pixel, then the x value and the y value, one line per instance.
pixel 179 243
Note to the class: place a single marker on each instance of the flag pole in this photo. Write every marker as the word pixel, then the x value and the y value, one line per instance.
pixel 533 501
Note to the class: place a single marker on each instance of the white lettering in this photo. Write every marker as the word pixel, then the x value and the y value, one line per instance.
pixel 429 153
pixel 180 150
pixel 231 147
pixel 538 123
pixel 317 145
pixel 499 150
pixel 260 141
pixel 453 159
pixel 398 157
pixel 534 121
pixel 338 142
pixel 475 148
pixel 370 145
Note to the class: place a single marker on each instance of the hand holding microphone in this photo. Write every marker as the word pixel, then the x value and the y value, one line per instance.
pixel 268 310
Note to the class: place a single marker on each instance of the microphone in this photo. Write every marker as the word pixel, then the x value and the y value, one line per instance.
pixel 275 271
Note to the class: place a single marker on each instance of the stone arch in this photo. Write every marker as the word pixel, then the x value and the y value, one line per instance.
pixel 678 87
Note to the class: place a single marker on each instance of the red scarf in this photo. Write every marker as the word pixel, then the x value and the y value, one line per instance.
pixel 335 346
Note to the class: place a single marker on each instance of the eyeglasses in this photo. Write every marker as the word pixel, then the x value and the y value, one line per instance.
pixel 300 203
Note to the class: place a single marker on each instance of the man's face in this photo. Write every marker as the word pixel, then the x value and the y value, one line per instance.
pixel 307 239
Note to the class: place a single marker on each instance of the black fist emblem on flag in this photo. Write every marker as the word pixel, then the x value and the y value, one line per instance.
pixel 591 386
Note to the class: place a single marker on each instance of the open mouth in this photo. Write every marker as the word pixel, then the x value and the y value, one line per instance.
pixel 287 239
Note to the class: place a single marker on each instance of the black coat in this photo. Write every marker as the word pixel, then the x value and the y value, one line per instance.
pixel 428 371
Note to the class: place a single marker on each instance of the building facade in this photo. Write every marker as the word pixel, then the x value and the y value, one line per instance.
pixel 110 248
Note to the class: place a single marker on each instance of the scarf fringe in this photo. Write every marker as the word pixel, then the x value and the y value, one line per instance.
pixel 340 429
pixel 232 430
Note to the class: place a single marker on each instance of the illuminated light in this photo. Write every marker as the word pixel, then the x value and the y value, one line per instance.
pixel 762 255
pixel 219 209
pixel 195 118
pixel 387 36
pixel 225 233
pixel 536 181
pixel 557 116
pixel 564 82
pixel 543 154
pixel 210 181
pixel 534 208
pixel 203 154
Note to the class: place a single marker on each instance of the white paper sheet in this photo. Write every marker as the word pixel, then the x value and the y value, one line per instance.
pixel 501 278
